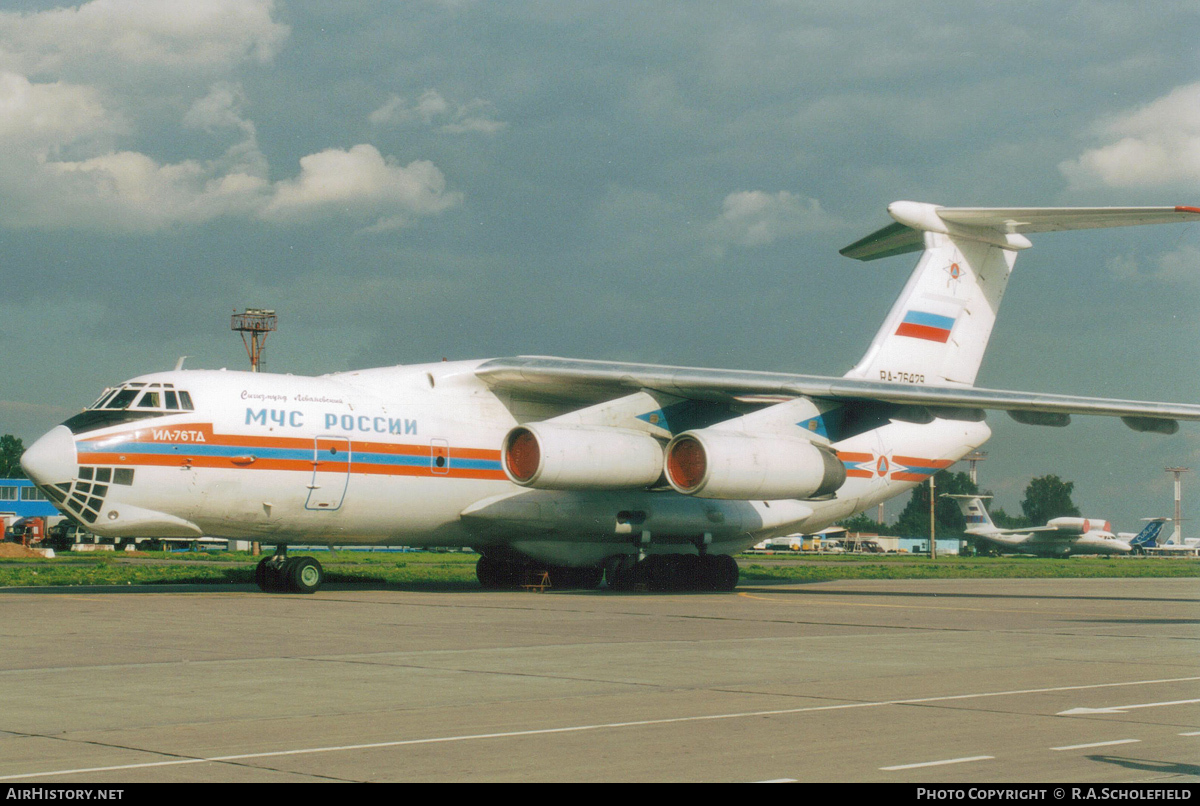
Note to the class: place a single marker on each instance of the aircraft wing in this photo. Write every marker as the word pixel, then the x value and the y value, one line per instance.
pixel 1046 532
pixel 585 380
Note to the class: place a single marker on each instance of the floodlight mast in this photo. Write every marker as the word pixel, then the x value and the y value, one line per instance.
pixel 254 325
pixel 1177 538
pixel 975 458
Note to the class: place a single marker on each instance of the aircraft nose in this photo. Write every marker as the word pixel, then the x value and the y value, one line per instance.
pixel 52 459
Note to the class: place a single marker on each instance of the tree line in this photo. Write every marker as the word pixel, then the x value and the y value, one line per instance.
pixel 11 449
pixel 1046 497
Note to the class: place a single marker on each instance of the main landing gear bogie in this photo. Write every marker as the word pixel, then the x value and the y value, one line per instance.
pixel 673 572
pixel 282 574
pixel 502 574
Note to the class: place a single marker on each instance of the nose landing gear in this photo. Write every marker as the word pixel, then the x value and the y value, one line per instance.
pixel 280 573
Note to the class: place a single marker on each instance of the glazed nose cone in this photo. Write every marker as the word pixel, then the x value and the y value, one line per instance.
pixel 52 459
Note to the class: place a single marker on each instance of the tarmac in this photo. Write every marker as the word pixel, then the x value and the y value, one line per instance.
pixel 1057 680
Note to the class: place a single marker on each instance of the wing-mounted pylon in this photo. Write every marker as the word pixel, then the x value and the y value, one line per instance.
pixel 615 445
pixel 782 451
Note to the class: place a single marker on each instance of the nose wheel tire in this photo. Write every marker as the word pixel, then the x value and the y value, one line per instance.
pixel 305 574
pixel 277 574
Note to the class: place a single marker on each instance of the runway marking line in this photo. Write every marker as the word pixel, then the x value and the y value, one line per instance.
pixel 179 762
pixel 1097 744
pixel 936 763
pixel 1120 709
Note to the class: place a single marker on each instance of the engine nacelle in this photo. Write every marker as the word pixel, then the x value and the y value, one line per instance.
pixel 551 456
pixel 1080 525
pixel 711 463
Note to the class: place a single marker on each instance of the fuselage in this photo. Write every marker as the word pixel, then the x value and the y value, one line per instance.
pixel 406 455
pixel 1091 542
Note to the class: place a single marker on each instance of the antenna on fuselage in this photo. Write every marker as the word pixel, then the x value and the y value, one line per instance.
pixel 254 325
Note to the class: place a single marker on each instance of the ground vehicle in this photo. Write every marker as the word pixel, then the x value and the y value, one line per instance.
pixel 28 531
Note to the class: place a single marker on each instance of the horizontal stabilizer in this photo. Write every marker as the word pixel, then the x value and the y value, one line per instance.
pixel 1001 226
pixel 894 239
pixel 1056 219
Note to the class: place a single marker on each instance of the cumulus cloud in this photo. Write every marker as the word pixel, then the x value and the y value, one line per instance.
pixel 45 116
pixel 110 34
pixel 360 180
pixel 757 218
pixel 433 110
pixel 62 164
pixel 59 168
pixel 1178 267
pixel 1157 145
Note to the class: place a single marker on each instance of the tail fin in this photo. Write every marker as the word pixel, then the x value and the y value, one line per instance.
pixel 1148 537
pixel 974 512
pixel 938 329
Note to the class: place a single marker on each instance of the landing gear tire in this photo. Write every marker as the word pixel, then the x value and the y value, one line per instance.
pixel 672 572
pixel 269 574
pixel 304 574
pixel 719 572
pixel 261 573
pixel 496 574
pixel 623 572
pixel 280 574
pixel 565 577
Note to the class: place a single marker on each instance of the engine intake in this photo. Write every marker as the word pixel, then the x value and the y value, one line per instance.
pixel 551 456
pixel 710 463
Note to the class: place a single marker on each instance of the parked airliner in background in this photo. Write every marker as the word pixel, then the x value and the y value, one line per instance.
pixel 1147 538
pixel 1147 541
pixel 1060 537
pixel 650 475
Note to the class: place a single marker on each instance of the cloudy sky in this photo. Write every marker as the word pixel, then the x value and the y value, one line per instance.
pixel 652 181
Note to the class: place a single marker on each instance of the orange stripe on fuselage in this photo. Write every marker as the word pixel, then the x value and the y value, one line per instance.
pixel 183 458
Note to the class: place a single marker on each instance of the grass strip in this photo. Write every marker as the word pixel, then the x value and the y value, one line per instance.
pixel 456 570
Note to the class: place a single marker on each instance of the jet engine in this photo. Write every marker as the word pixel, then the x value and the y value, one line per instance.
pixel 553 456
pixel 1080 525
pixel 712 463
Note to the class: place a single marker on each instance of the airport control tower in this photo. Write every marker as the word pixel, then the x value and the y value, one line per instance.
pixel 254 325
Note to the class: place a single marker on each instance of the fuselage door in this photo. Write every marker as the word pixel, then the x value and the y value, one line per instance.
pixel 331 473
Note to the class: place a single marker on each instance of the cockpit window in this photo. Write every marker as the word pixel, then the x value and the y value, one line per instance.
pixel 159 396
pixel 122 399
pixel 131 401
pixel 105 395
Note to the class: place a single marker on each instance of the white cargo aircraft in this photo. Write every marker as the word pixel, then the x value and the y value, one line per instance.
pixel 649 475
pixel 1060 537
pixel 1146 541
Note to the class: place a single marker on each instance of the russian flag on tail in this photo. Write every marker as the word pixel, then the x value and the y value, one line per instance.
pixel 928 326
